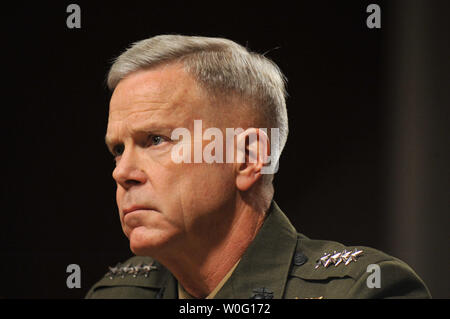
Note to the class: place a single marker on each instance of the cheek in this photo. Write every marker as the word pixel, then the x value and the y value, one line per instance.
pixel 211 184
pixel 187 190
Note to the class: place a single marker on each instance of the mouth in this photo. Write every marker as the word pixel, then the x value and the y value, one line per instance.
pixel 135 208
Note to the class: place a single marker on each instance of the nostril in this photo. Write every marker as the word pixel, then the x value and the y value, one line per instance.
pixel 132 182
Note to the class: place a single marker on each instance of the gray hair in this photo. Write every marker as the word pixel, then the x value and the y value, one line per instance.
pixel 221 66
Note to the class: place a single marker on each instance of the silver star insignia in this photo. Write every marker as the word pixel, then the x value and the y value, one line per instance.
pixel 353 256
pixel 323 261
pixel 336 258
pixel 148 268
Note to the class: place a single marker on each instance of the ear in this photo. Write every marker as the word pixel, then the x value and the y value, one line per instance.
pixel 252 149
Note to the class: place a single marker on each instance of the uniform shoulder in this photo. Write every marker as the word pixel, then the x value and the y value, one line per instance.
pixel 144 274
pixel 327 258
pixel 346 271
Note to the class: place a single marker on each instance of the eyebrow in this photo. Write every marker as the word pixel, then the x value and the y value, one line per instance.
pixel 110 143
pixel 144 129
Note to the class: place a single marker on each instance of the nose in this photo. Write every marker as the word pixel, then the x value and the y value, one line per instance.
pixel 128 171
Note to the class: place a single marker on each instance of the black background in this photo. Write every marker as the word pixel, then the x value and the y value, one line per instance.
pixel 57 187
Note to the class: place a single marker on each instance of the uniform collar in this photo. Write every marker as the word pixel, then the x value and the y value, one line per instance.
pixel 183 294
pixel 264 267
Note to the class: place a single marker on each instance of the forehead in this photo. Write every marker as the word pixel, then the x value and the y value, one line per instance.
pixel 162 89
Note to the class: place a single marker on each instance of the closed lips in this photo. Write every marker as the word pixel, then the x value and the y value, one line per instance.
pixel 134 208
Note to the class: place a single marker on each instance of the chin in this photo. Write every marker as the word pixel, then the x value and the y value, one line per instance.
pixel 144 242
pixel 138 250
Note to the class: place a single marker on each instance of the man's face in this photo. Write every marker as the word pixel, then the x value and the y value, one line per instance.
pixel 162 204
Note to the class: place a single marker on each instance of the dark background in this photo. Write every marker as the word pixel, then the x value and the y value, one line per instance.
pixel 366 161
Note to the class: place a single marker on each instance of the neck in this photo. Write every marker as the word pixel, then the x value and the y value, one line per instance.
pixel 201 264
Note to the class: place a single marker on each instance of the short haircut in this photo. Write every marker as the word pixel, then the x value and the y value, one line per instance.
pixel 221 66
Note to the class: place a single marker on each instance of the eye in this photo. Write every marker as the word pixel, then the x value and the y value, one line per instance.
pixel 118 150
pixel 155 140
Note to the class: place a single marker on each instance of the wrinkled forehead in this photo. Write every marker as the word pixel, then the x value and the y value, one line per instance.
pixel 168 92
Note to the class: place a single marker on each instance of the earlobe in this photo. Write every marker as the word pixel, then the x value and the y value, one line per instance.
pixel 245 181
pixel 242 183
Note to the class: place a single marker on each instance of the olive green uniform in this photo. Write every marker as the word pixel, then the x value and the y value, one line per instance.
pixel 279 263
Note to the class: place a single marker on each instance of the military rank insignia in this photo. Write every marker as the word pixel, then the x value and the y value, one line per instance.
pixel 130 270
pixel 336 258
